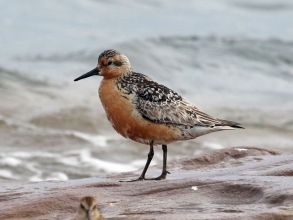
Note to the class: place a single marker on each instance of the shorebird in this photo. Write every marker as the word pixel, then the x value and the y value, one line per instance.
pixel 88 210
pixel 147 112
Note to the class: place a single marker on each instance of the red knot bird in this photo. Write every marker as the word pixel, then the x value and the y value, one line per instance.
pixel 147 112
pixel 88 210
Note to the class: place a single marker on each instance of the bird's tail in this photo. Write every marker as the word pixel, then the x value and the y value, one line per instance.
pixel 225 124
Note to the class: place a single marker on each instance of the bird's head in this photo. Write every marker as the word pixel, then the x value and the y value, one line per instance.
pixel 111 63
pixel 88 208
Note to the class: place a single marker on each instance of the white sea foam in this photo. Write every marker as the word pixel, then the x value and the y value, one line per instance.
pixel 35 178
pixel 7 174
pixel 138 163
pixel 57 176
pixel 107 166
pixel 69 161
pixel 96 140
pixel 10 161
pixel 33 164
pixel 26 155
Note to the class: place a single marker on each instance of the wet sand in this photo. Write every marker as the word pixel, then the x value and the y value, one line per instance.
pixel 233 183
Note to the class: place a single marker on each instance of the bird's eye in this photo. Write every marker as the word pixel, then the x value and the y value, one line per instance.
pixel 110 62
pixel 95 207
pixel 81 206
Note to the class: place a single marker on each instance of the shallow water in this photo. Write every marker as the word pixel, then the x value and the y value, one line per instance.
pixel 233 59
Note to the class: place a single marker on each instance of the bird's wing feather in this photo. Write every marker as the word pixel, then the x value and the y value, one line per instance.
pixel 159 104
pixel 179 112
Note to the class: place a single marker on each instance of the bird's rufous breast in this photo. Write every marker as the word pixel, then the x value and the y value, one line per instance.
pixel 127 121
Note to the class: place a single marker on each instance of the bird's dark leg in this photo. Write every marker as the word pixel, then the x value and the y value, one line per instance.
pixel 164 170
pixel 150 157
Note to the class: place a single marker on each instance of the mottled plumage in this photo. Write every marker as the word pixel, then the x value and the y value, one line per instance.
pixel 88 210
pixel 147 112
pixel 160 104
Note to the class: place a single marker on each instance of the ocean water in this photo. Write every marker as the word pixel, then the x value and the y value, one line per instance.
pixel 233 59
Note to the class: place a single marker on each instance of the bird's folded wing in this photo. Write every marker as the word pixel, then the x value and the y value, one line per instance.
pixel 160 104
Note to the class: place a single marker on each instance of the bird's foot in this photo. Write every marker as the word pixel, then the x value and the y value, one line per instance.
pixel 141 178
pixel 161 177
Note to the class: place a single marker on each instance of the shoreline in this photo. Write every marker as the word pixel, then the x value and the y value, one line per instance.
pixel 232 183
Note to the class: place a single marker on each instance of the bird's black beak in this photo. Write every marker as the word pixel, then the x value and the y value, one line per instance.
pixel 93 72
pixel 88 214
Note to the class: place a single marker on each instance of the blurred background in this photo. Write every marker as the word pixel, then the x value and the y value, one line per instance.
pixel 232 58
